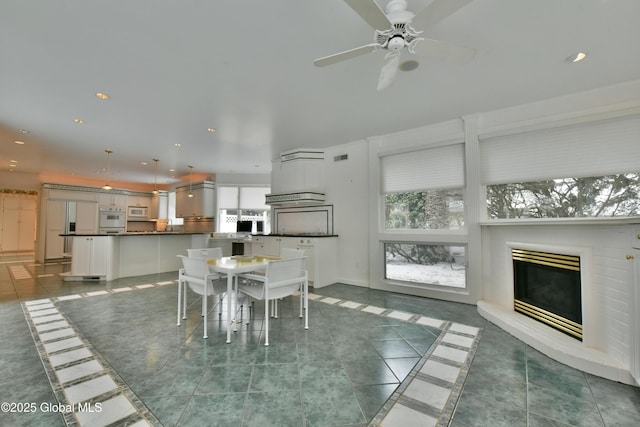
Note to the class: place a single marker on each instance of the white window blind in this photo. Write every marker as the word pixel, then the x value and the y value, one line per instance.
pixel 227 197
pixel 429 169
pixel 253 198
pixel 599 148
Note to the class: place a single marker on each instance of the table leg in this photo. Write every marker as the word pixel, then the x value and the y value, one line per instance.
pixel 229 296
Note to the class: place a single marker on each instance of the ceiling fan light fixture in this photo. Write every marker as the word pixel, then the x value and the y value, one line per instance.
pixel 396 44
pixel 409 65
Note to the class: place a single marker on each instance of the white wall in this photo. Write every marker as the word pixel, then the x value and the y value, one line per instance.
pixel 19 181
pixel 347 188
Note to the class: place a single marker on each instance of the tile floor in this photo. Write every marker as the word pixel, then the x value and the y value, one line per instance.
pixel 113 353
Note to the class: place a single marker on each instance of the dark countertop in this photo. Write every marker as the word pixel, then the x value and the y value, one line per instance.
pixel 134 233
pixel 309 235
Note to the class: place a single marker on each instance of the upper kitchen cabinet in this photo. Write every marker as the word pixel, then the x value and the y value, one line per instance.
pixel 202 202
pixel 298 171
pixel 139 200
pixel 112 199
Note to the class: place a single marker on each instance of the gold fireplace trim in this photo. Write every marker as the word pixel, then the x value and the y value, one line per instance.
pixel 567 262
pixel 570 327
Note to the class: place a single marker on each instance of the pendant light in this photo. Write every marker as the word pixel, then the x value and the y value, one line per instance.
pixel 155 178
pixel 106 186
pixel 190 181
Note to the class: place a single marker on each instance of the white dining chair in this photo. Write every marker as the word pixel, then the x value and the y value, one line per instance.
pixel 282 278
pixel 199 253
pixel 195 273
pixel 290 253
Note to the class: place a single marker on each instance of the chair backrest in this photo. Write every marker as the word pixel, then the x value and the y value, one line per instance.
pixel 195 267
pixel 291 253
pixel 205 253
pixel 286 272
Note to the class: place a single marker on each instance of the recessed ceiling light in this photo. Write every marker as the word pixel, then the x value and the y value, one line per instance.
pixel 102 95
pixel 19 142
pixel 143 163
pixel 78 121
pixel 23 131
pixel 177 144
pixel 212 130
pixel 577 57
pixel 172 170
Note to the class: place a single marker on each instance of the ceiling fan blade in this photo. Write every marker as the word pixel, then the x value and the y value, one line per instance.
pixel 435 12
pixel 388 71
pixel 446 51
pixel 347 54
pixel 370 12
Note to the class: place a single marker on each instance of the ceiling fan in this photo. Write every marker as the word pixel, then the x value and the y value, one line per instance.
pixel 396 31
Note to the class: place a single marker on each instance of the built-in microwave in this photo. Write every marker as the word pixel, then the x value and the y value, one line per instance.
pixel 136 213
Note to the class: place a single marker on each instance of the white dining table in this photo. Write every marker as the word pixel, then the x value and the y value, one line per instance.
pixel 232 266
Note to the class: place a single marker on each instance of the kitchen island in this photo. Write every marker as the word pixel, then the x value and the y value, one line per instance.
pixel 111 256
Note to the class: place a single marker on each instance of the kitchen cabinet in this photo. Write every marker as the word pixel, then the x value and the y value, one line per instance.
pixel 635 310
pixel 112 200
pixel 139 201
pixel 86 195
pixel 17 223
pixel 86 217
pixel 60 215
pixel 635 239
pixel 202 204
pixel 271 245
pixel 91 255
pixel 321 253
pixel 55 225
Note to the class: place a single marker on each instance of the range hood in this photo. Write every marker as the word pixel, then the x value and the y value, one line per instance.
pixel 305 197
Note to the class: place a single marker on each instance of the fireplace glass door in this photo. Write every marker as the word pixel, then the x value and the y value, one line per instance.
pixel 547 288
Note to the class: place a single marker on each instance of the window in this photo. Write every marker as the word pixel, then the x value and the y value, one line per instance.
pixel 420 210
pixel 242 204
pixel 578 170
pixel 605 196
pixel 426 264
pixel 424 189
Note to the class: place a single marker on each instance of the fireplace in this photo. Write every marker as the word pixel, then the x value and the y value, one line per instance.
pixel 547 288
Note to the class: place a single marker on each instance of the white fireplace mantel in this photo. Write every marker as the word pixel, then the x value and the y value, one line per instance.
pixel 607 349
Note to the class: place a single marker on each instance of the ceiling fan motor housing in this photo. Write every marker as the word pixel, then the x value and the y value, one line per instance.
pixel 401 34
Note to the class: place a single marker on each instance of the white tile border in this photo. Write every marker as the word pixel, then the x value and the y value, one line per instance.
pixel 77 377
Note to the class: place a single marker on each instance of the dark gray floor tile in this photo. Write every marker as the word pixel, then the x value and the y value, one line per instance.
pixel 394 348
pixel 334 406
pixel 275 377
pixel 224 379
pixel 224 409
pixel 473 410
pixel 369 372
pixel 372 397
pixel 275 409
pixel 563 407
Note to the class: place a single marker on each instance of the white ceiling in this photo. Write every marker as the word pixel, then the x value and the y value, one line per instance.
pixel 174 69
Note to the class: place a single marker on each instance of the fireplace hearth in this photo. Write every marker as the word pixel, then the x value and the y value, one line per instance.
pixel 547 288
